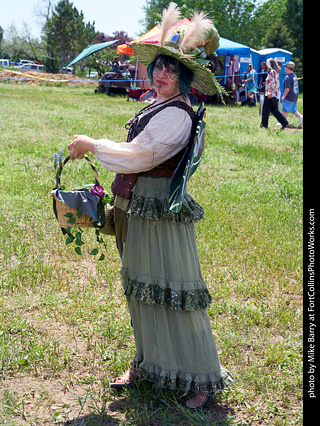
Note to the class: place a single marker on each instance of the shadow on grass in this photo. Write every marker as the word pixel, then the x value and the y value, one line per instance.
pixel 149 406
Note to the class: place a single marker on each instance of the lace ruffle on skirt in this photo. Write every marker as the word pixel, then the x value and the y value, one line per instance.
pixel 199 383
pixel 150 201
pixel 154 294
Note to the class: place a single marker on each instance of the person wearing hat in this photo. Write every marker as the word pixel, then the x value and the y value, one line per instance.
pixel 291 93
pixel 161 276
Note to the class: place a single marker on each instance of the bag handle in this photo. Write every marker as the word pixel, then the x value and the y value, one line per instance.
pixel 64 162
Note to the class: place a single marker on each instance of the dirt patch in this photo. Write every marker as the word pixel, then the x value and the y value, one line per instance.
pixel 42 400
pixel 35 78
pixel 67 396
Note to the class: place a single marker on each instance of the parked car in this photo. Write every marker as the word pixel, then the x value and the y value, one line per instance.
pixel 5 63
pixel 32 67
pixel 67 70
pixel 25 61
pixel 93 74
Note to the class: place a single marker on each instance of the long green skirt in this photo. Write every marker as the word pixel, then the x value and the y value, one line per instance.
pixel 166 294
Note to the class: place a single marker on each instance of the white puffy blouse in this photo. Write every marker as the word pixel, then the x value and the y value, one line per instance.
pixel 163 137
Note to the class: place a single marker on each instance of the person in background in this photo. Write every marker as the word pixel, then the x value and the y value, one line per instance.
pixel 262 84
pixel 117 67
pixel 291 93
pixel 272 96
pixel 233 78
pixel 250 80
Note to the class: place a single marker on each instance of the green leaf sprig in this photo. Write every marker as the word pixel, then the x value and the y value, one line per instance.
pixel 74 236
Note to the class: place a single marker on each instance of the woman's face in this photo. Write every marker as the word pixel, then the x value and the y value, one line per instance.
pixel 165 79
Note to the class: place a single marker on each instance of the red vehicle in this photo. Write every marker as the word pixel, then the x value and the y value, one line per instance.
pixel 113 83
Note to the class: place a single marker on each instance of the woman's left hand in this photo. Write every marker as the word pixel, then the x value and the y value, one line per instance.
pixel 80 146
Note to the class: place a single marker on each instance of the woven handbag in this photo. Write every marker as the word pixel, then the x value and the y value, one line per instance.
pixel 64 213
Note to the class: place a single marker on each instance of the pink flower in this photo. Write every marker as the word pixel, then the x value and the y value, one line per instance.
pixel 98 190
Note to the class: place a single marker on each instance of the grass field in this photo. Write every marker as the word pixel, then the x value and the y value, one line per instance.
pixel 65 330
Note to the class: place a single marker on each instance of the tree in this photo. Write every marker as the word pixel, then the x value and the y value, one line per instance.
pixel 264 18
pixel 278 35
pixel 22 46
pixel 43 11
pixel 294 19
pixel 234 19
pixel 1 38
pixel 66 34
pixel 231 17
pixel 103 59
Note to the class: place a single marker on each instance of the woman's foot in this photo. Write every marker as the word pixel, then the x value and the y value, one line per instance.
pixel 200 400
pixel 126 380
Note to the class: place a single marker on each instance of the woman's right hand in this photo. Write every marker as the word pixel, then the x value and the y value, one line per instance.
pixel 128 123
pixel 80 146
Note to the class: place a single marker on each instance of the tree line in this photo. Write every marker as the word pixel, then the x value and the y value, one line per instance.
pixel 255 23
pixel 64 35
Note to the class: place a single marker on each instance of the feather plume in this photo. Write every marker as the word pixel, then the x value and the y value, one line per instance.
pixel 196 31
pixel 170 16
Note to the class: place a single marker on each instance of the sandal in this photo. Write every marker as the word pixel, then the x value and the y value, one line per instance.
pixel 203 404
pixel 127 380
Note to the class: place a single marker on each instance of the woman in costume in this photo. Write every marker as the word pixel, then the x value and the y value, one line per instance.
pixel 166 294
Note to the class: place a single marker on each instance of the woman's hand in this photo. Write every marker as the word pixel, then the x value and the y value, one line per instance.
pixel 128 124
pixel 80 146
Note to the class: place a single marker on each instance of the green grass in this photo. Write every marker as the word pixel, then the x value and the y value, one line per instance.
pixel 65 330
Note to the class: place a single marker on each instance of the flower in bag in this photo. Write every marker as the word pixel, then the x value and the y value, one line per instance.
pixel 98 190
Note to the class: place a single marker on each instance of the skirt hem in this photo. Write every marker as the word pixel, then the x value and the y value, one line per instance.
pixel 183 381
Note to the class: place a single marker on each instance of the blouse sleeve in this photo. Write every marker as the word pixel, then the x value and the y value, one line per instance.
pixel 162 138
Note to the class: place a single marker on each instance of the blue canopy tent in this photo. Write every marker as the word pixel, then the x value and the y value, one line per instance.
pixel 246 55
pixel 228 47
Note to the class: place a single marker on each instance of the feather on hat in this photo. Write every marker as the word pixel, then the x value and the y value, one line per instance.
pixel 190 45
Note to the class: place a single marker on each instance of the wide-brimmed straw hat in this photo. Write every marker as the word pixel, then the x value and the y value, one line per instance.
pixel 190 44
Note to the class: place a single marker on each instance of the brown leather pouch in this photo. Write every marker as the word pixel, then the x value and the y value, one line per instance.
pixel 123 184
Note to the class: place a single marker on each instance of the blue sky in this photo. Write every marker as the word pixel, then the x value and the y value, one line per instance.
pixel 109 15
